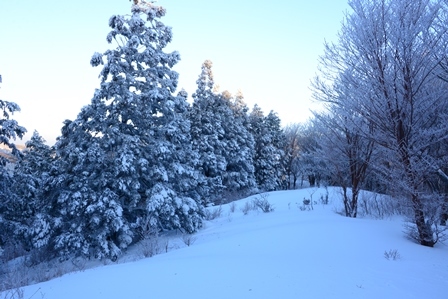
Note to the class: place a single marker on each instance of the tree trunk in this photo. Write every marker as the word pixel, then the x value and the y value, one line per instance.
pixel 312 180
pixel 425 234
pixel 346 202
pixel 354 203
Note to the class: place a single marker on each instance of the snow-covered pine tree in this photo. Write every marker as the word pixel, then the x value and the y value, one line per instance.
pixel 269 143
pixel 207 134
pixel 278 139
pixel 220 135
pixel 30 209
pixel 240 173
pixel 10 130
pixel 173 200
pixel 88 215
pixel 126 160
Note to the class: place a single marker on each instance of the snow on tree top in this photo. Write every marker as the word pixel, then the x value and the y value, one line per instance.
pixel 146 6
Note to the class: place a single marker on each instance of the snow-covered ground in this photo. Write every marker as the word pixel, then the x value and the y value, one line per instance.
pixel 288 253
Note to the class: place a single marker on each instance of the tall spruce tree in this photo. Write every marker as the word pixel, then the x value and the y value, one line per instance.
pixel 126 166
pixel 269 143
pixel 207 133
pixel 222 139
pixel 240 172
pixel 10 130
pixel 32 211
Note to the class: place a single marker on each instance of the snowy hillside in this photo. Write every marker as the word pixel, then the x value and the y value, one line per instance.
pixel 288 253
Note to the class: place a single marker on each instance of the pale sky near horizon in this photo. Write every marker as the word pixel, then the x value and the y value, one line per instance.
pixel 268 50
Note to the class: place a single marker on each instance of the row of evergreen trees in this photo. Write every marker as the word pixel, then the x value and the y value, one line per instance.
pixel 138 158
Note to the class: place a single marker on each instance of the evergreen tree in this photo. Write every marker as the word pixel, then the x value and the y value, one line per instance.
pixel 269 144
pixel 89 216
pixel 240 173
pixel 278 142
pixel 207 134
pixel 125 161
pixel 30 210
pixel 221 136
pixel 10 130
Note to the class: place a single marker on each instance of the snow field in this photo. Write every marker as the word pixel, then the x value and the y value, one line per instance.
pixel 287 253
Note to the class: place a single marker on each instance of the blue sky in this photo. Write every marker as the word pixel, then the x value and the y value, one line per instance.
pixel 267 49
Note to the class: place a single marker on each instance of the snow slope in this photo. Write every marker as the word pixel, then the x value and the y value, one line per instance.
pixel 288 253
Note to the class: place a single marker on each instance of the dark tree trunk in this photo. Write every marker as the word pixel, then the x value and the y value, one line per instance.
pixel 312 180
pixel 346 202
pixel 295 181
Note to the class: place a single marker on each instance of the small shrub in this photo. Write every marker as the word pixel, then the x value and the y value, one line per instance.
pixel 166 245
pixel 12 294
pixel 18 293
pixel 14 277
pixel 263 204
pixel 324 198
pixel 307 205
pixel 188 239
pixel 247 208
pixel 311 202
pixel 380 206
pixel 229 217
pixel 36 256
pixel 60 269
pixel 42 272
pixel 232 207
pixel 149 244
pixel 19 274
pixel 211 214
pixel 79 264
pixel 392 254
pixel 150 247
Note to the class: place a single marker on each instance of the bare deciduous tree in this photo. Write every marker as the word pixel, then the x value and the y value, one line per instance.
pixel 387 68
pixel 292 153
pixel 346 153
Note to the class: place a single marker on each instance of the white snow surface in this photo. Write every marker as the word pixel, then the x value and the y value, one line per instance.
pixel 287 253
